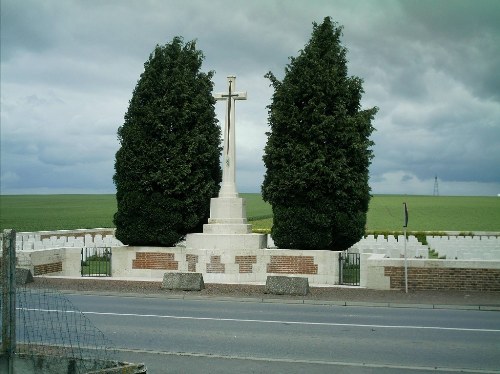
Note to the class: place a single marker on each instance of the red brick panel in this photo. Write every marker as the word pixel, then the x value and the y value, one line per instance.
pixel 192 260
pixel 154 260
pixel 292 265
pixel 444 278
pixel 245 263
pixel 53 267
pixel 215 265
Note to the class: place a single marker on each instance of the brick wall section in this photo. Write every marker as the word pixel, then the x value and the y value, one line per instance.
pixel 192 260
pixel 155 260
pixel 444 279
pixel 292 265
pixel 53 267
pixel 215 265
pixel 245 263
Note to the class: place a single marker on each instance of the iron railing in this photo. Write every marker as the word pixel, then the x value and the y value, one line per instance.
pixel 96 262
pixel 349 268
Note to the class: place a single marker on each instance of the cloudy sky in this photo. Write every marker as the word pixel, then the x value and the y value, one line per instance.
pixel 68 69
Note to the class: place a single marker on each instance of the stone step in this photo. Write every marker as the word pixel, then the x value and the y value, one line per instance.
pixel 226 241
pixel 221 228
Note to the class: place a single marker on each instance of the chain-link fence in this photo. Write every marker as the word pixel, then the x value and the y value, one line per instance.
pixel 41 325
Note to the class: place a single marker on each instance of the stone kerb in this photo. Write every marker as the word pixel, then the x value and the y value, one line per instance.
pixel 39 363
pixel 283 285
pixel 183 281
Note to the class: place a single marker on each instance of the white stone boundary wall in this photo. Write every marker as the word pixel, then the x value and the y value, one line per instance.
pixel 429 274
pixel 217 266
pixel 226 266
pixel 54 262
pixel 378 270
pixel 253 267
pixel 481 246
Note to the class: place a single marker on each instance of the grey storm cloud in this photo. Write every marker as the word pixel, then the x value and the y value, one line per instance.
pixel 68 69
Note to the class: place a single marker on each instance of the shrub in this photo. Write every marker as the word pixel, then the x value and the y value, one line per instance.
pixel 167 168
pixel 318 150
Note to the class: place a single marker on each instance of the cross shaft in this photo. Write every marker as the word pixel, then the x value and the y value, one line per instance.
pixel 228 188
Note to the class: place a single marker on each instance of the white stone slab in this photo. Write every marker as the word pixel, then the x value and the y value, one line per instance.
pixel 225 228
pixel 226 241
pixel 227 210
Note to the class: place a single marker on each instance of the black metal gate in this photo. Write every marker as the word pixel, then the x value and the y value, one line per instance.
pixel 349 268
pixel 96 262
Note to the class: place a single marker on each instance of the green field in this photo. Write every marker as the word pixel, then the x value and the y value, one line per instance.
pixel 56 212
pixel 426 213
pixel 435 213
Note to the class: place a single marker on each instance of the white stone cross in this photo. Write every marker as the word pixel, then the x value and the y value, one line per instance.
pixel 228 188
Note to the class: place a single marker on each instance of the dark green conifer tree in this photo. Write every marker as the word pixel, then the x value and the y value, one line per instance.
pixel 318 150
pixel 167 167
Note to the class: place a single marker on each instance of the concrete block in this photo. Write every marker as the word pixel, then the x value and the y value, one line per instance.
pixel 282 285
pixel 23 276
pixel 227 208
pixel 270 242
pixel 226 241
pixel 227 228
pixel 183 281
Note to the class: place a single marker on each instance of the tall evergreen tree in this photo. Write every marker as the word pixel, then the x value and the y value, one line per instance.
pixel 167 168
pixel 318 150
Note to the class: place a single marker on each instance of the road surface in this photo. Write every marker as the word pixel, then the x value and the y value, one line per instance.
pixel 191 336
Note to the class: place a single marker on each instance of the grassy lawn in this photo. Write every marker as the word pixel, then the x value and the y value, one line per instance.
pixel 96 267
pixel 426 213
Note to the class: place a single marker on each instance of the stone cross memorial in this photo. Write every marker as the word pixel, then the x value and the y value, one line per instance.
pixel 228 188
pixel 227 227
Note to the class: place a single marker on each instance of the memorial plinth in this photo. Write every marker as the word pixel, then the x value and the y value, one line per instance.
pixel 227 227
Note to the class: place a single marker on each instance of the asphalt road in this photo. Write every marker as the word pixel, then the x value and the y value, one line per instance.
pixel 201 336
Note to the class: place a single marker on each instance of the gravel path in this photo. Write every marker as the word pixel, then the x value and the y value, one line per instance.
pixel 337 294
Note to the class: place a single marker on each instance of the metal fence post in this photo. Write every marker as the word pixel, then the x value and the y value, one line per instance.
pixel 9 296
pixel 341 268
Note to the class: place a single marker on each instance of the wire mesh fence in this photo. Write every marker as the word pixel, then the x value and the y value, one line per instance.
pixel 47 324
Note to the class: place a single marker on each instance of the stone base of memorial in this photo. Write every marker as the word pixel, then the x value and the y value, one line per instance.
pixel 227 228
